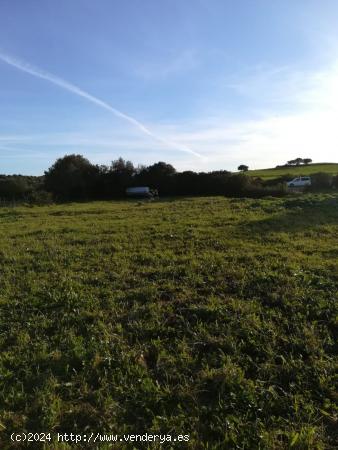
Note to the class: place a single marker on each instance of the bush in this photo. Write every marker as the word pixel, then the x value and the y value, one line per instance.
pixel 278 190
pixel 321 180
pixel 13 187
pixel 40 198
pixel 335 182
pixel 237 185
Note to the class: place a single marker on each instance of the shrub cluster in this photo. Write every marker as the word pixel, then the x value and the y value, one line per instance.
pixel 19 188
pixel 73 177
pixel 322 180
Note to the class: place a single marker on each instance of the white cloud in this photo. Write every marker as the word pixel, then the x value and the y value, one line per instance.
pixel 307 127
pixel 296 116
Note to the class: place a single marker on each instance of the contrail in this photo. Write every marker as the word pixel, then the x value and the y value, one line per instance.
pixel 28 68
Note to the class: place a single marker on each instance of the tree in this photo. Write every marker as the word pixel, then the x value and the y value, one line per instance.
pixel 70 178
pixel 296 162
pixel 122 166
pixel 243 168
pixel 161 169
pixel 118 177
pixel 159 176
pixel 307 161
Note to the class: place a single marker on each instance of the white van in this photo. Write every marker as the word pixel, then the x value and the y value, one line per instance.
pixel 141 191
pixel 300 182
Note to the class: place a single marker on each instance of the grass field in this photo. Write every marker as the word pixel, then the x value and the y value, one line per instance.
pixel 330 168
pixel 211 317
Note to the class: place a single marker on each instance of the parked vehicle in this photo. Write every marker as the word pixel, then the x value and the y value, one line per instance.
pixel 299 182
pixel 141 191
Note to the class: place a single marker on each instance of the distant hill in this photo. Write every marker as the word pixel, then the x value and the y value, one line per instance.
pixel 309 169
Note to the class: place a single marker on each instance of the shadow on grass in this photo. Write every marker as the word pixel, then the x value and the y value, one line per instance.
pixel 300 215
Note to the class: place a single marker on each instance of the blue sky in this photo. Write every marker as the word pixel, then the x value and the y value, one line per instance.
pixel 201 84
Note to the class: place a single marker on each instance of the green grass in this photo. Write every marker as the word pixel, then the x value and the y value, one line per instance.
pixel 212 317
pixel 331 168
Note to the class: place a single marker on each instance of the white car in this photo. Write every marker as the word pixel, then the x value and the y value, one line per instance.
pixel 299 182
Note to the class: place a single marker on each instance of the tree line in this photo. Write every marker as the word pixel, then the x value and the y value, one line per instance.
pixel 297 162
pixel 75 178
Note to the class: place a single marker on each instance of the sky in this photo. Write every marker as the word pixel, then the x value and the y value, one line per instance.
pixel 201 84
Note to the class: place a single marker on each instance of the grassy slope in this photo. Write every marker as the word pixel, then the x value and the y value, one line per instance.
pixel 208 316
pixel 331 168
